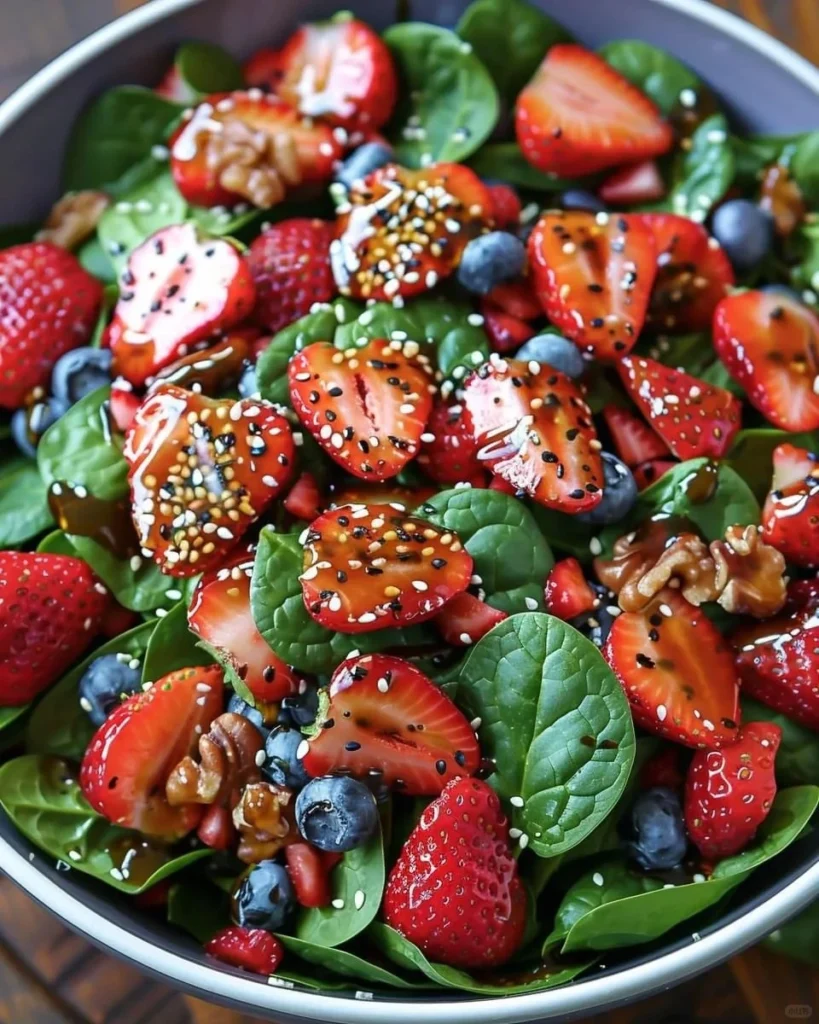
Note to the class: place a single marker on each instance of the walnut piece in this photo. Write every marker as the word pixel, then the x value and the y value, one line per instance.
pixel 74 218
pixel 258 165
pixel 262 819
pixel 750 574
pixel 227 763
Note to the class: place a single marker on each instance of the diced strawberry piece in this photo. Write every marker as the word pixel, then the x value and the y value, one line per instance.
pixel 173 87
pixel 790 518
pixel 117 619
pixel 128 761
pixel 366 407
pixel 215 369
pixel 198 464
pixel 650 472
pixel 261 69
pixel 216 829
pixel 155 898
pixel 457 864
pixel 51 608
pixel 535 430
pixel 770 345
pixel 290 264
pixel 664 769
pixel 380 253
pixel 123 405
pixel 593 275
pixel 309 875
pixel 677 670
pixel 177 291
pixel 48 305
pixel 369 567
pixel 578 115
pixel 568 593
pixel 506 206
pixel 516 297
pixel 465 619
pixel 452 456
pixel 692 417
pixel 506 332
pixel 729 792
pixel 251 949
pixel 632 184
pixel 304 499
pixel 634 441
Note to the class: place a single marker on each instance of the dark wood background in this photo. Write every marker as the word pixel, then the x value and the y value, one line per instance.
pixel 50 976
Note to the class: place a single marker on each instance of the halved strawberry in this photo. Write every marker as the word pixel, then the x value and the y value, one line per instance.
pixel 593 275
pixel 693 274
pixel 578 115
pixel 176 291
pixel 790 518
pixel 219 614
pixel 465 619
pixel 248 147
pixel 677 670
pixel 401 231
pixel 369 567
pixel 339 71
pixel 201 471
pixel 505 331
pixel 634 441
pixel 304 498
pixel 632 184
pixel 128 761
pixel 568 593
pixel 123 405
pixel 534 429
pixel 506 206
pixel 648 473
pixel 381 716
pixel 770 344
pixel 251 949
pixel 366 407
pixel 692 417
pixel 450 454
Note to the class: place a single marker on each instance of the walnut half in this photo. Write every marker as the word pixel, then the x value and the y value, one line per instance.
pixel 74 218
pixel 227 763
pixel 750 574
pixel 262 819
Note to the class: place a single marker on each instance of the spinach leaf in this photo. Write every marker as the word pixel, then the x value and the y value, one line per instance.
pixel 510 554
pixel 448 103
pixel 96 261
pixel 799 937
pixel 57 543
pixel 43 798
pixel 753 153
pixel 206 68
pixel 137 214
pixel 199 908
pixel 345 963
pixel 704 173
pixel 24 510
pixel 10 715
pixel 654 71
pixel 139 584
pixel 689 352
pixel 561 531
pixel 797 760
pixel 751 454
pixel 173 646
pixel 278 610
pixel 804 166
pixel 506 162
pixel 804 274
pixel 511 37
pixel 556 724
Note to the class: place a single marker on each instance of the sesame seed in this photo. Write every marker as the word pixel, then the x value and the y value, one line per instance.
pixel 595 546
pixel 465 638
pixel 337 904
pixel 302 750
pixel 597 878
pixel 359 899
pixel 530 603
pixel 516 801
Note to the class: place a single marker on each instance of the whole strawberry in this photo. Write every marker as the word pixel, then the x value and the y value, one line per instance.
pixel 290 263
pixel 51 607
pixel 48 305
pixel 455 891
pixel 729 792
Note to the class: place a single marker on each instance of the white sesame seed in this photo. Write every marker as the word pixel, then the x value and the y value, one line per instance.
pixel 515 833
pixel 465 638
pixel 359 898
pixel 476 723
pixel 135 563
pixel 260 758
pixel 302 750
pixel 531 604
pixel 420 586
pixel 516 801
pixel 85 704
pixel 595 546
pixel 337 904
pixel 597 878
pixel 523 841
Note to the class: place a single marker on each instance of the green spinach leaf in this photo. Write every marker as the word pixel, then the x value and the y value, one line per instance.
pixel 751 454
pixel 8 716
pixel 139 584
pixel 96 261
pixel 804 274
pixel 345 963
pixel 173 646
pixel 797 760
pixel 199 908
pixel 137 214
pixel 704 173
pixel 654 71
pixel 24 510
pixel 205 68
pixel 804 166
pixel 506 162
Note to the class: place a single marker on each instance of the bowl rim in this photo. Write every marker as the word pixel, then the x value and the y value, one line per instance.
pixel 233 987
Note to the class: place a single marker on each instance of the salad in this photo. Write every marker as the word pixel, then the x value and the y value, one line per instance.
pixel 409 507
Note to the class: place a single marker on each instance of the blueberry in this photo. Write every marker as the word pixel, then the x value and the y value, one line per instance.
pixel 744 231
pixel 580 199
pixel 596 626
pixel 241 707
pixel 300 709
pixel 281 764
pixel 555 351
pixel 364 161
pixel 489 259
pixel 336 813
pixel 248 385
pixel 657 840
pixel 619 494
pixel 79 372
pixel 265 897
pixel 29 425
pixel 104 684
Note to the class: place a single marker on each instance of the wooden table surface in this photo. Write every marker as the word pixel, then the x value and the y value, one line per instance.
pixel 50 976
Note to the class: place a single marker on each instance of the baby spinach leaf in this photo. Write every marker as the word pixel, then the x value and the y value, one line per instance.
pixel 58 725
pixel 704 173
pixel 804 166
pixel 448 103
pixel 96 261
pixel 206 68
pixel 506 162
pixel 43 798
pixel 509 551
pixel 556 724
pixel 511 37
pixel 140 586
pixel 654 71
pixel 137 214
pixel 689 352
pixel 753 153
pixel 562 532
pixel 799 937
pixel 57 543
pixel 173 646
pixel 797 760
pixel 804 246
pixel 751 454
pixel 345 963
pixel 199 908
pixel 8 716
pixel 24 510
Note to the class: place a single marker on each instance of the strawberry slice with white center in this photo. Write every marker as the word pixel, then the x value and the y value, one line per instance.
pixel 370 567
pixel 593 274
pixel 770 344
pixel 366 407
pixel 534 429
pixel 692 417
pixel 177 290
pixel 383 718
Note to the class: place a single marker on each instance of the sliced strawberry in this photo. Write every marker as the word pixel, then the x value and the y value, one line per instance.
pixel 593 275
pixel 382 717
pixel 366 407
pixel 692 417
pixel 506 332
pixel 128 761
pixel 517 298
pixel 790 518
pixel 304 499
pixel 664 769
pixel 578 116
pixel 534 429
pixel 506 206
pixel 634 441
pixel 369 567
pixel 123 405
pixel 650 472
pixel 215 369
pixel 173 87
pixel 693 274
pixel 389 493
pixel 770 344
pixel 177 291
pixel 635 183
pixel 248 147
pixel 568 593
pixel 201 471
pixel 677 671
pixel 451 456
pixel 381 251
pixel 251 949
pixel 261 67
pixel 465 619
